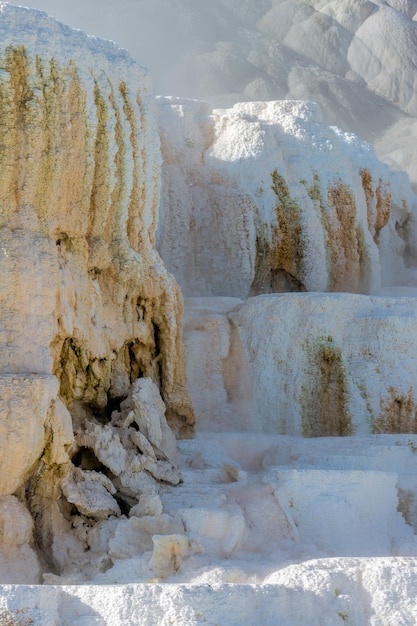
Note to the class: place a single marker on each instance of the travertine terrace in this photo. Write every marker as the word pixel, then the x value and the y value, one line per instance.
pixel 86 304
pixel 248 455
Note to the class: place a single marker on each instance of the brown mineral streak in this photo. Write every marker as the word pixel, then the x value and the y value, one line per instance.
pixel 288 253
pixel 345 248
pixel 100 192
pixel 325 410
pixel 378 203
pixel 366 178
pixel 398 413
pixel 279 262
pixel 133 223
pixel 383 207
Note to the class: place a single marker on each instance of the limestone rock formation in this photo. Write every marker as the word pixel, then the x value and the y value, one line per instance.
pixel 266 197
pixel 297 498
pixel 86 305
pixel 356 58
pixel 305 365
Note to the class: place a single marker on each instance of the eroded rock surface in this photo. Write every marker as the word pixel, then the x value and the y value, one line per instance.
pixel 86 305
pixel 266 197
pixel 317 389
pixel 310 365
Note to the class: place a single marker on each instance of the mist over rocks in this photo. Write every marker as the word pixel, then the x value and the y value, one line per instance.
pixel 295 495
pixel 273 199
pixel 356 58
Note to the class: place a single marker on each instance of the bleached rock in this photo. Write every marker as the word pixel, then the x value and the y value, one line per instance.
pixel 331 592
pixel 135 458
pixel 145 407
pixel 321 504
pixel 106 444
pixel 168 553
pixel 91 493
pixel 217 369
pixel 86 305
pixel 272 199
pixel 356 58
pixel 147 505
pixel 18 561
pixel 134 537
pixel 312 364
pixel 25 402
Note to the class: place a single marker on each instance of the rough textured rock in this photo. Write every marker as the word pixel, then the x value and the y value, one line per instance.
pixel 18 561
pixel 362 591
pixel 86 305
pixel 317 389
pixel 266 197
pixel 309 365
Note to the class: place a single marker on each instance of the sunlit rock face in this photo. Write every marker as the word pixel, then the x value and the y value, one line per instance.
pixel 356 58
pixel 266 197
pixel 86 305
pixel 303 468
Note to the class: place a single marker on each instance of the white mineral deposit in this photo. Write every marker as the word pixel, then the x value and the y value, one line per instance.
pixel 208 319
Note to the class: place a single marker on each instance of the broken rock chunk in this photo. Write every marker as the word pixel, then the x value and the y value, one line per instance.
pixel 145 406
pixel 168 554
pixel 91 493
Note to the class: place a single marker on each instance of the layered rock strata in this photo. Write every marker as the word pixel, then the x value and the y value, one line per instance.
pixel 86 305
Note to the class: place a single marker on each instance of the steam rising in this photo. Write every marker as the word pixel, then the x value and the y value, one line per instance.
pixel 227 51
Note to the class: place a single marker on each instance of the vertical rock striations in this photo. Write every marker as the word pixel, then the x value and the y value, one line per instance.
pixel 272 199
pixel 86 305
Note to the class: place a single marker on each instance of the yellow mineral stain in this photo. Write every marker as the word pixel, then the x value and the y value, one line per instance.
pixel 100 193
pixel 134 224
pixel 116 226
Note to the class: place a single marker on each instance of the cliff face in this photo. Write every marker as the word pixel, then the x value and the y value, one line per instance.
pixel 86 305
pixel 270 198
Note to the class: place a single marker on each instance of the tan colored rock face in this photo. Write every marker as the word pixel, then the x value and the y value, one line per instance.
pixel 26 403
pixel 86 305
pixel 74 194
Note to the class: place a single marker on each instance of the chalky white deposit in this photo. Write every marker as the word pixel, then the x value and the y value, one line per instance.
pixel 295 502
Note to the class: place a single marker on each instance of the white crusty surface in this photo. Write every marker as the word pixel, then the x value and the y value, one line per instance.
pixel 296 501
pixel 265 196
pixel 356 58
